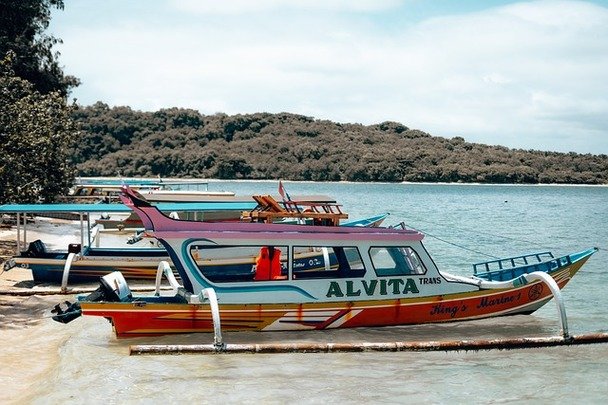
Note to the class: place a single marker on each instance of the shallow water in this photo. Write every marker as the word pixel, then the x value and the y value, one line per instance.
pixel 83 362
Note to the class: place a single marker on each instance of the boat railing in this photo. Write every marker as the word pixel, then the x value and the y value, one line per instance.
pixel 66 271
pixel 206 295
pixel 524 279
pixel 209 295
pixel 403 226
pixel 511 262
pixel 506 273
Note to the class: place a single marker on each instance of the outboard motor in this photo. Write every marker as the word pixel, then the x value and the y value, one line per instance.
pixel 113 288
pixel 36 248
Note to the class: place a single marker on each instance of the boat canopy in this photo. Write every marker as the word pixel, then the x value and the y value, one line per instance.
pixel 109 208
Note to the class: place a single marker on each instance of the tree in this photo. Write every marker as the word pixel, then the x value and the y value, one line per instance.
pixel 22 25
pixel 36 132
pixel 178 142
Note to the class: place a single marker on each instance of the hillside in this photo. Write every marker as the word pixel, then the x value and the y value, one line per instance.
pixel 183 143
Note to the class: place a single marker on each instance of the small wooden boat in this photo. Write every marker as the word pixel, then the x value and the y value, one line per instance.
pixel 382 276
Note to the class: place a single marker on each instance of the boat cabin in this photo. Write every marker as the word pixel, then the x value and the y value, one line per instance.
pixel 299 265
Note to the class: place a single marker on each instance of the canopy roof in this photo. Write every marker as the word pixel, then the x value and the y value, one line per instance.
pixel 90 208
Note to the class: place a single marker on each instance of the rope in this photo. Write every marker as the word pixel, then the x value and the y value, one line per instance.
pixel 486 233
pixel 494 235
pixel 455 244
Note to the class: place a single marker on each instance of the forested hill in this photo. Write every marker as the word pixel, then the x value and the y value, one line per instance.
pixel 183 143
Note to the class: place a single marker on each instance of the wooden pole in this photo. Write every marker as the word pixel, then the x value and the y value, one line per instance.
pixel 451 345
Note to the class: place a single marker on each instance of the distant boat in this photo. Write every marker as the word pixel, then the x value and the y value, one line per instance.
pixel 108 190
pixel 217 214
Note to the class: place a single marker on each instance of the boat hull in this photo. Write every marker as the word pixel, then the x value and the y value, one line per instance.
pixel 89 268
pixel 150 317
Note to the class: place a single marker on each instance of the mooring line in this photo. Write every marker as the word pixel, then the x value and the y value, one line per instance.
pixel 489 234
pixel 455 244
pixel 476 231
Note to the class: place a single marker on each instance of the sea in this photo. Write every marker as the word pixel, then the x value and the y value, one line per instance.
pixel 82 362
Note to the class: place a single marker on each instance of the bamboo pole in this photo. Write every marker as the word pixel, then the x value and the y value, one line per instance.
pixel 451 345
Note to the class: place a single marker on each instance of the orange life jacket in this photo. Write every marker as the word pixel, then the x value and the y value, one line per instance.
pixel 266 267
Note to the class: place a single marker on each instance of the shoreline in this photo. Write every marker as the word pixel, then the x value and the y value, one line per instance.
pixel 214 180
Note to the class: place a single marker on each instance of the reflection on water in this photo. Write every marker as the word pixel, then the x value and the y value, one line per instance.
pixel 84 362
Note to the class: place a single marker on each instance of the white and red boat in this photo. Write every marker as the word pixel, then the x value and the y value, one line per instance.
pixel 380 277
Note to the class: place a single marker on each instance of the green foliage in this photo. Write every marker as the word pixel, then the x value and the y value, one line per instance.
pixel 184 143
pixel 36 131
pixel 22 25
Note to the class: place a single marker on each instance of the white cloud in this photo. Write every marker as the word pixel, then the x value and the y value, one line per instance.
pixel 525 75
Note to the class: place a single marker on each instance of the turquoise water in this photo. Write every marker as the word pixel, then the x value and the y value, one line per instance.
pixel 468 224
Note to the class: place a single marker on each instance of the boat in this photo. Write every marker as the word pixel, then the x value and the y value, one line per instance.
pixel 384 277
pixel 87 261
pixel 104 190
pixel 301 203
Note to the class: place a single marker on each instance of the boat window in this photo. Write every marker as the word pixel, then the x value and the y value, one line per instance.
pixel 314 262
pixel 396 261
pixel 241 263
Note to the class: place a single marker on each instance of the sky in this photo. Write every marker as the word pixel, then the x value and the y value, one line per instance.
pixel 522 74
